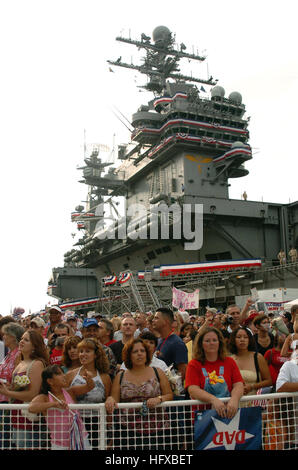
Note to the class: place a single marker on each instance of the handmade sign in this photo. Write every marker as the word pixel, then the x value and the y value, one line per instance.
pixel 243 432
pixel 185 300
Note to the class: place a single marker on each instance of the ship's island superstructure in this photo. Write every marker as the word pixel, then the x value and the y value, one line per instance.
pixel 187 144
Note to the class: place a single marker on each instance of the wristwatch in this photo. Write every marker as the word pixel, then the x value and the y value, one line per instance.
pixel 160 398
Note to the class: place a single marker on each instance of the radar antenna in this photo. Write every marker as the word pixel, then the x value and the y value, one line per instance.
pixel 161 60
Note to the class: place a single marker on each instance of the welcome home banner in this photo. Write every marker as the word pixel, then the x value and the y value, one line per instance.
pixel 243 432
pixel 185 300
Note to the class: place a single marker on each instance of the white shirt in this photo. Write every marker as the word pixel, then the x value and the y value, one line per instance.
pixel 138 331
pixel 289 373
pixel 154 363
pixel 118 335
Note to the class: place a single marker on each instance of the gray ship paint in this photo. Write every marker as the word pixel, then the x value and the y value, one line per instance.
pixel 161 223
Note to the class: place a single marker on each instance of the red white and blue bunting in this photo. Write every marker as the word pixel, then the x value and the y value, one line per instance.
pixel 188 138
pixel 167 99
pixel 109 280
pixel 123 278
pixel 79 303
pixel 171 269
pixel 187 122
pixel 237 151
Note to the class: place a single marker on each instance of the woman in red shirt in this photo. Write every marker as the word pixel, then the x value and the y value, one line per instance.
pixel 274 358
pixel 212 375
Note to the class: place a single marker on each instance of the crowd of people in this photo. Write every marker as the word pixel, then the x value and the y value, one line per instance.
pixel 62 358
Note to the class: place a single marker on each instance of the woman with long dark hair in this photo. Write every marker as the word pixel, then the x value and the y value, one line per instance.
pixel 25 385
pixel 252 365
pixel 53 404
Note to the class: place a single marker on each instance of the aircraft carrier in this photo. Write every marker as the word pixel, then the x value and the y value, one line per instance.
pixel 188 143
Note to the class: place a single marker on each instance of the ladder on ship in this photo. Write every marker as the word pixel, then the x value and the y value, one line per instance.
pixel 136 294
pixel 152 293
pixel 144 293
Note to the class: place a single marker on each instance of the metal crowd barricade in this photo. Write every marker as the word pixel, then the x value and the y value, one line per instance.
pixel 169 426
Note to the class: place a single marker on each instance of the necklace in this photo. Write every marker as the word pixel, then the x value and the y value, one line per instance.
pixel 159 349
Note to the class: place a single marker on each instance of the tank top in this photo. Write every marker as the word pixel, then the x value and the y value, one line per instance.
pixel 250 376
pixel 96 395
pixel 156 419
pixel 21 381
pixel 130 392
pixel 60 422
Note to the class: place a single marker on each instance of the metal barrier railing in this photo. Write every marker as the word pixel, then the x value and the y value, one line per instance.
pixel 169 426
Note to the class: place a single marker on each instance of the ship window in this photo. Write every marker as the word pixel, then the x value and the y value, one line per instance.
pixel 158 251
pixel 151 255
pixel 166 249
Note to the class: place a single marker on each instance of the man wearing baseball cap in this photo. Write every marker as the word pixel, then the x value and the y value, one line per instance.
pixel 37 324
pixel 248 322
pixel 72 320
pixel 55 316
pixel 212 310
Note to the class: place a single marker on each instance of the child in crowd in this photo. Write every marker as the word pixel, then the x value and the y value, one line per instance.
pixel 65 425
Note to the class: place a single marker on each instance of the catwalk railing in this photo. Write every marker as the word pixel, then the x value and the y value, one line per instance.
pixel 131 427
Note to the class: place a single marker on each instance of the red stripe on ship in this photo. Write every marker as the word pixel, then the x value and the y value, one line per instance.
pixel 218 267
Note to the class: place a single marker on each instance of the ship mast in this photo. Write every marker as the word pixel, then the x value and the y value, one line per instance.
pixel 161 60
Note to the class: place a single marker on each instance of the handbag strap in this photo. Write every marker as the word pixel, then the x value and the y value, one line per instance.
pixel 257 366
pixel 156 373
pixel 121 376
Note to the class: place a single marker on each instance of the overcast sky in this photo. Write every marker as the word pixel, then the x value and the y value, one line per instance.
pixel 55 82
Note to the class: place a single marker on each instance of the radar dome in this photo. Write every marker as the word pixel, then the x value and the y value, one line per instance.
pixel 218 91
pixel 236 97
pixel 161 33
pixel 238 143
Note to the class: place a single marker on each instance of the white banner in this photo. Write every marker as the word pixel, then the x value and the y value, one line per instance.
pixel 185 300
